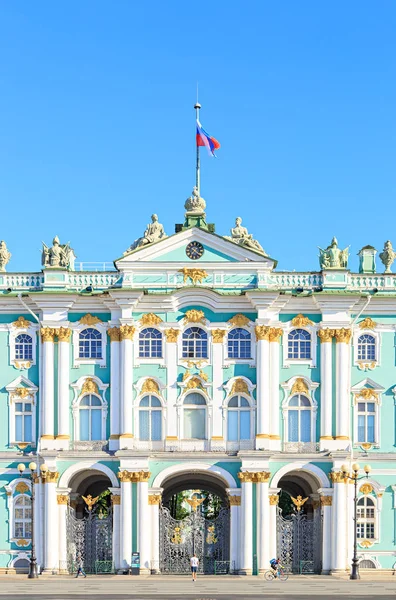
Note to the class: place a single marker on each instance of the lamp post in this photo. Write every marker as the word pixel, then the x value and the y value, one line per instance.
pixel 354 477
pixel 33 574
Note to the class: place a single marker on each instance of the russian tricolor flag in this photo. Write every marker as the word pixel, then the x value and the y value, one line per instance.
pixel 204 139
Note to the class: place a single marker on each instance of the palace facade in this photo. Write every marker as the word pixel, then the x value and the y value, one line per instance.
pixel 195 365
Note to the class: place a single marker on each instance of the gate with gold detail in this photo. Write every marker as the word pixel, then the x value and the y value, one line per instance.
pixel 209 539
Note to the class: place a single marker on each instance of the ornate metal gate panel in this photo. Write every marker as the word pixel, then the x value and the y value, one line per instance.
pixel 209 539
pixel 299 542
pixel 90 540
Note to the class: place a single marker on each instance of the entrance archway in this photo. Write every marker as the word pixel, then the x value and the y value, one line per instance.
pixel 194 519
pixel 299 522
pixel 90 522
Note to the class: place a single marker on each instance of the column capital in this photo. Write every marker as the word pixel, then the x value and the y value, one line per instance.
pixel 47 334
pixel 134 476
pixel 275 334
pixel 246 477
pixel 114 334
pixel 172 335
pixel 127 332
pixel 254 476
pixel 326 500
pixel 50 476
pixel 218 335
pixel 115 499
pixel 262 477
pixel 234 500
pixel 343 335
pixel 326 335
pixel 154 499
pixel 64 334
pixel 273 499
pixel 62 499
pixel 262 332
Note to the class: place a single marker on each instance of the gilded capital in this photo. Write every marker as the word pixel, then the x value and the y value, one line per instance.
pixel 63 334
pixel 325 335
pixel 273 499
pixel 114 334
pixel 275 334
pixel 133 476
pixel 326 500
pixel 262 332
pixel 115 499
pixel 47 334
pixel 218 335
pixel 127 332
pixel 343 335
pixel 154 499
pixel 246 477
pixel 50 477
pixel 172 335
pixel 62 499
pixel 337 477
pixel 262 476
pixel 234 500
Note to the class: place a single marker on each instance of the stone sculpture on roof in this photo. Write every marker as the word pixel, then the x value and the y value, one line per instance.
pixel 195 205
pixel 59 255
pixel 241 236
pixel 5 256
pixel 154 233
pixel 387 256
pixel 332 257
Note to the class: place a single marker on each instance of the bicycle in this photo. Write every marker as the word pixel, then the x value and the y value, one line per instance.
pixel 280 574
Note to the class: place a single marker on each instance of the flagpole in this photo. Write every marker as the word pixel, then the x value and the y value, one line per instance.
pixel 198 164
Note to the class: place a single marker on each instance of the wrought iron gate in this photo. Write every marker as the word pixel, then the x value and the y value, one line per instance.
pixel 299 542
pixel 209 539
pixel 90 541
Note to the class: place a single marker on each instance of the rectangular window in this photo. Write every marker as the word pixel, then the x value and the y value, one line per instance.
pixel 23 422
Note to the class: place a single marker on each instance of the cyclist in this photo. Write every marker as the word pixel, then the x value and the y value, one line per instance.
pixel 275 564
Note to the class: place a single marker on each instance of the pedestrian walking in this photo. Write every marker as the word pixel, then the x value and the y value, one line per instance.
pixel 194 562
pixel 79 564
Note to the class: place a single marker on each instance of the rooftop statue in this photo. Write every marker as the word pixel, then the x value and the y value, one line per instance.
pixel 387 256
pixel 154 232
pixel 241 236
pixel 59 256
pixel 333 257
pixel 195 204
pixel 5 256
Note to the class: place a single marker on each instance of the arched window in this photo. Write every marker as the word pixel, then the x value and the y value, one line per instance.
pixel 366 518
pixel 22 565
pixel 195 343
pixel 23 347
pixel 194 409
pixel 239 343
pixel 150 419
pixel 90 343
pixel 366 422
pixel 23 422
pixel 299 419
pixel 366 563
pixel 366 347
pixel 150 343
pixel 238 419
pixel 299 344
pixel 90 413
pixel 23 517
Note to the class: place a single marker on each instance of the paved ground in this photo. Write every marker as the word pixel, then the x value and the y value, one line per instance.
pixel 182 588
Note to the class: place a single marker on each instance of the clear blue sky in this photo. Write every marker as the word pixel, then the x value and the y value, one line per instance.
pixel 97 125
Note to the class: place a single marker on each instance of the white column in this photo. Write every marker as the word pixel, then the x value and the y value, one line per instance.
pixel 263 387
pixel 47 383
pixel 115 430
pixel 154 504
pixel 63 436
pixel 171 365
pixel 339 525
pixel 126 521
pixel 116 504
pixel 235 503
pixel 350 522
pixel 218 392
pixel 127 332
pixel 51 524
pixel 326 500
pixel 326 387
pixel 246 524
pixel 144 523
pixel 343 401
pixel 38 523
pixel 62 501
pixel 274 339
pixel 263 518
pixel 273 514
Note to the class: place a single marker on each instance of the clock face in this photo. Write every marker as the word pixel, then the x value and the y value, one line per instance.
pixel 194 250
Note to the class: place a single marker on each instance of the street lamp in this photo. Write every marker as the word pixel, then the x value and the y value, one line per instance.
pixel 33 574
pixel 354 477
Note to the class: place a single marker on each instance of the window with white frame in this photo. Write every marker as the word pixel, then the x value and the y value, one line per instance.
pixel 150 419
pixel 195 343
pixel 90 418
pixel 366 520
pixel 90 343
pixel 23 347
pixel 194 416
pixel 150 343
pixel 299 419
pixel 366 422
pixel 299 344
pixel 23 421
pixel 239 343
pixel 23 517
pixel 238 419
pixel 366 349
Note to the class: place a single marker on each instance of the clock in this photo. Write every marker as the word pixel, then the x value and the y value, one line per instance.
pixel 194 250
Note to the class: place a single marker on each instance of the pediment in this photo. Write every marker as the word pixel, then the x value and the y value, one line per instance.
pixel 173 250
pixel 367 383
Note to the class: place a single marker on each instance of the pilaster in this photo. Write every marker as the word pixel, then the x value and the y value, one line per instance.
pixel 127 332
pixel 343 402
pixel 171 367
pixel 115 374
pixel 263 388
pixel 63 436
pixel 47 387
pixel 275 335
